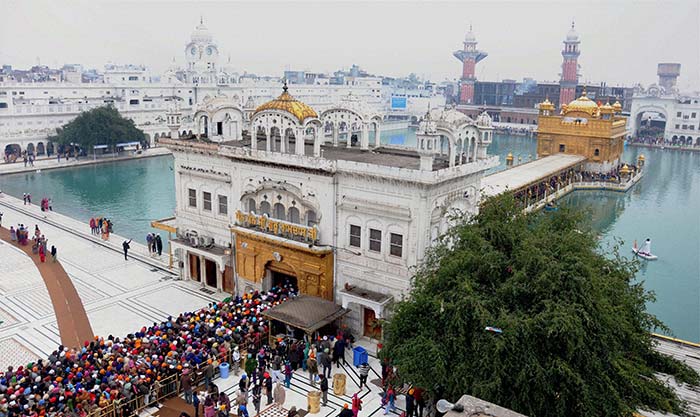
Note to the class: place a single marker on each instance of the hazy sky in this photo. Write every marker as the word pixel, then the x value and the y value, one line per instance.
pixel 621 41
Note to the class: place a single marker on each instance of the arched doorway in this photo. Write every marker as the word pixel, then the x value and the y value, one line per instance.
pixel 49 149
pixel 279 274
pixel 40 150
pixel 203 126
pixel 13 149
pixel 651 124
pixel 30 149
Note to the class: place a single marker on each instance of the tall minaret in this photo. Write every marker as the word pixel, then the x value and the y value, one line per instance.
pixel 569 68
pixel 469 56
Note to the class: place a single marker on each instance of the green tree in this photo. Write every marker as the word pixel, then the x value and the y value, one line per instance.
pixel 99 126
pixel 576 334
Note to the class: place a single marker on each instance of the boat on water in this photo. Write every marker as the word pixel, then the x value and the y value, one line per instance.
pixel 645 251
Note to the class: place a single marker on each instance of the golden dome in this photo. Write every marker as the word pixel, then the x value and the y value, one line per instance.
pixel 607 108
pixel 546 105
pixel 583 104
pixel 286 102
pixel 641 157
pixel 617 106
pixel 509 157
pixel 625 170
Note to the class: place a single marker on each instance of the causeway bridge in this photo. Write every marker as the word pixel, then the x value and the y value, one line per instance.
pixel 543 180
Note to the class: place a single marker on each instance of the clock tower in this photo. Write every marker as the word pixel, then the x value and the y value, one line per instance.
pixel 201 55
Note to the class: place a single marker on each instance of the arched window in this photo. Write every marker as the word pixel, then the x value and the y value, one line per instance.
pixel 251 205
pixel 265 208
pixel 596 152
pixel 293 215
pixel 311 218
pixel 279 212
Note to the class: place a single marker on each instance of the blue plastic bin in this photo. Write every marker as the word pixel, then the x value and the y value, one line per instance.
pixel 359 356
pixel 223 370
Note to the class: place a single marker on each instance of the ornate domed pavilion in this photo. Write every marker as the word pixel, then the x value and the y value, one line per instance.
pixel 285 102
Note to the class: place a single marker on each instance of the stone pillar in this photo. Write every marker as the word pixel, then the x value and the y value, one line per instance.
pixel 377 135
pixel 219 279
pixel 301 141
pixel 476 148
pixel 318 140
pixel 469 147
pixel 364 144
pixel 283 141
pixel 349 139
pixel 335 134
pixel 253 138
pixel 186 265
pixel 202 271
pixel 268 140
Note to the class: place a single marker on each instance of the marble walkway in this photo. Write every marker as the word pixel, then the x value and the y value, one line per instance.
pixel 119 296
pixel 53 163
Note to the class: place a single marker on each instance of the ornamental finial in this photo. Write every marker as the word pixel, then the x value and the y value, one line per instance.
pixel 284 87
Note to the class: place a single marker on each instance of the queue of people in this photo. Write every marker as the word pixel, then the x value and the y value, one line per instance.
pixel 114 370
pixel 661 141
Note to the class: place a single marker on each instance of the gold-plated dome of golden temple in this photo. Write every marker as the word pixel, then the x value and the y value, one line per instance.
pixel 582 104
pixel 286 102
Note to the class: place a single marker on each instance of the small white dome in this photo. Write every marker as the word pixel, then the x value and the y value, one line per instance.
pixel 201 33
pixel 483 120
pixel 470 37
pixel 572 36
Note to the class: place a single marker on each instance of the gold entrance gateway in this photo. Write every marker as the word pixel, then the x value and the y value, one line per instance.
pixel 269 260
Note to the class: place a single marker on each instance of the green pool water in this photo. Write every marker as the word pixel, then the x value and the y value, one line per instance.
pixel 131 193
pixel 664 206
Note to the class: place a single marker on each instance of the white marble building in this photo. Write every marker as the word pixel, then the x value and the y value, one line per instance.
pixel 314 199
pixel 681 113
pixel 29 112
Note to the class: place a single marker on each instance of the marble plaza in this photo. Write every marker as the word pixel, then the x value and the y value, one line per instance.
pixel 119 296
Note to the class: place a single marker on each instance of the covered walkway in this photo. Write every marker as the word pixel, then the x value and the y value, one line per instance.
pixel 525 175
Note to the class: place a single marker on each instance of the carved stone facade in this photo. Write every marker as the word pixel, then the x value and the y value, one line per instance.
pixel 337 220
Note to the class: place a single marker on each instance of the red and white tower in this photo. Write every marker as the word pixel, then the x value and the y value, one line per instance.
pixel 569 68
pixel 469 56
